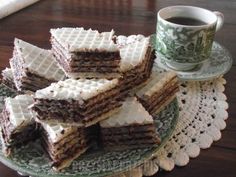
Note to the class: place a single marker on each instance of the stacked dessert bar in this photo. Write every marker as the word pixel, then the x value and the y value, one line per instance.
pixel 81 102
pixel 86 53
pixel 33 68
pixel 7 78
pixel 159 91
pixel 136 64
pixel 17 123
pixel 64 143
pixel 131 127
pixel 92 103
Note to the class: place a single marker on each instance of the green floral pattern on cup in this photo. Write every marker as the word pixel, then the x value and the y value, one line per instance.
pixel 182 44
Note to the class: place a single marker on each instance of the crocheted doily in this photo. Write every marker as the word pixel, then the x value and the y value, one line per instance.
pixel 202 116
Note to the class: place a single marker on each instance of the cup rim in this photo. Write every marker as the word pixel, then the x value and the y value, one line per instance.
pixel 188 26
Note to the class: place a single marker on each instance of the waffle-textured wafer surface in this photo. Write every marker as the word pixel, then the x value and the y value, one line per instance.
pixel 20 114
pixel 81 40
pixel 7 73
pixel 38 61
pixel 56 132
pixel 122 41
pixel 80 90
pixel 132 112
pixel 133 54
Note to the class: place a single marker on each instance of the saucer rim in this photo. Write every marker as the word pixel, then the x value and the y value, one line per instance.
pixel 179 73
pixel 190 63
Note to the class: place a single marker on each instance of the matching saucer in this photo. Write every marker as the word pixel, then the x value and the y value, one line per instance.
pixel 219 63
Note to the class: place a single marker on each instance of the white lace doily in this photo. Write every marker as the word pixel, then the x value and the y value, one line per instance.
pixel 202 116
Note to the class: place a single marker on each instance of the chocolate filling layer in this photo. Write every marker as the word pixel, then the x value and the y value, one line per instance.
pixel 84 61
pixel 86 106
pixel 152 109
pixel 25 78
pixel 94 63
pixel 138 75
pixel 62 114
pixel 130 136
pixel 152 103
pixel 173 82
pixel 8 82
pixel 70 152
pixel 135 128
pixel 16 137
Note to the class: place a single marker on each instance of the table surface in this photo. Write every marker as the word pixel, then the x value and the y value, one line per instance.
pixel 129 17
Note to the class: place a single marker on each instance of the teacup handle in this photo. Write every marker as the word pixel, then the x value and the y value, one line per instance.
pixel 220 20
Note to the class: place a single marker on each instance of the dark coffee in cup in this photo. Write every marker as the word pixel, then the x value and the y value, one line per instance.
pixel 186 21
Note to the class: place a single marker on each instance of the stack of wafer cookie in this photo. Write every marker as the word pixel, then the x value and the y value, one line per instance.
pixel 86 53
pixel 159 91
pixel 136 64
pixel 132 127
pixel 82 102
pixel 7 78
pixel 17 123
pixel 64 143
pixel 33 68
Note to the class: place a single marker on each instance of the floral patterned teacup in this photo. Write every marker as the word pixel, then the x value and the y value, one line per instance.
pixel 185 46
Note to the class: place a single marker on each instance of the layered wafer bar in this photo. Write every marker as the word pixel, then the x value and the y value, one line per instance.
pixel 82 102
pixel 137 60
pixel 63 143
pixel 131 127
pixel 7 78
pixel 17 123
pixel 86 53
pixel 159 91
pixel 33 68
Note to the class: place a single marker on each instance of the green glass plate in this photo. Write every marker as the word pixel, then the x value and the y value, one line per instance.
pixel 33 161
